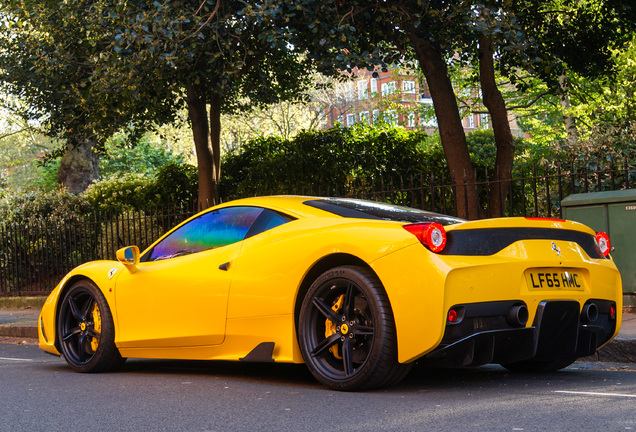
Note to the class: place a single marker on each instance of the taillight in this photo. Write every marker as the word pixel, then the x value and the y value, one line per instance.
pixel 432 235
pixel 603 243
pixel 452 316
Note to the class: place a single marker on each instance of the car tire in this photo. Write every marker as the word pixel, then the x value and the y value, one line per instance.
pixel 347 332
pixel 86 333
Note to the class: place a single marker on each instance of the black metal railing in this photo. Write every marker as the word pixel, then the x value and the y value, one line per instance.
pixel 35 256
pixel 536 191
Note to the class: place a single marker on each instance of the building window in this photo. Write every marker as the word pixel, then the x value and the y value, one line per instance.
pixel 391 117
pixel 340 119
pixel 388 88
pixel 362 89
pixel 484 121
pixel 349 91
pixel 411 119
pixel 351 119
pixel 408 86
pixel 471 121
pixel 364 117
pixel 376 115
pixel 374 85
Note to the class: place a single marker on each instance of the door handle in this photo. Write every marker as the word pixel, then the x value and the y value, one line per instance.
pixel 225 266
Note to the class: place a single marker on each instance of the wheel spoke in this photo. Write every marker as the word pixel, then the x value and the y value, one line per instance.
pixel 350 300
pixel 326 310
pixel 75 309
pixel 92 334
pixel 347 356
pixel 325 344
pixel 81 351
pixel 89 307
pixel 363 330
pixel 71 333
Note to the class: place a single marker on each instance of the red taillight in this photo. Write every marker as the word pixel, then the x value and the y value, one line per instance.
pixel 612 312
pixel 432 235
pixel 452 316
pixel 603 243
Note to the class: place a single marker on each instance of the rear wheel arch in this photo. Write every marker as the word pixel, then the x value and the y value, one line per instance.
pixel 346 330
pixel 326 263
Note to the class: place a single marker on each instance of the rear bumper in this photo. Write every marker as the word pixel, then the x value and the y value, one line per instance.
pixel 559 331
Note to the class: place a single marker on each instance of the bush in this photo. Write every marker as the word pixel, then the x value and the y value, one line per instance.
pixel 37 242
pixel 335 161
pixel 175 185
pixel 144 157
pixel 55 207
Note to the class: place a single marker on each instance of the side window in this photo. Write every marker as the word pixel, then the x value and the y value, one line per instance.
pixel 267 220
pixel 210 230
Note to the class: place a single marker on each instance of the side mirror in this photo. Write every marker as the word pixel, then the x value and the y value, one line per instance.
pixel 129 257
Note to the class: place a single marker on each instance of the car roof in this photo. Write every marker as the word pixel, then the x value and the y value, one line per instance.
pixel 290 204
pixel 308 206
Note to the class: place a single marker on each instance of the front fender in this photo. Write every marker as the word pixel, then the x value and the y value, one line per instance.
pixel 102 273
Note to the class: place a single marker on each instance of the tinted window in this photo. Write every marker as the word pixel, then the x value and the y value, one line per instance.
pixel 352 208
pixel 267 220
pixel 210 230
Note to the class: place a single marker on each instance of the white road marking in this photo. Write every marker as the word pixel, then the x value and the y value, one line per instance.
pixel 596 394
pixel 15 359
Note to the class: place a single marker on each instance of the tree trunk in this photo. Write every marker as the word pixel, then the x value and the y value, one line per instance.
pixel 215 140
pixel 501 128
pixel 450 126
pixel 197 111
pixel 569 121
pixel 79 166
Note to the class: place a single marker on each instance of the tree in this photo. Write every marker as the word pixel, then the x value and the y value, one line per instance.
pixel 500 35
pixel 94 67
pixel 225 55
pixel 50 58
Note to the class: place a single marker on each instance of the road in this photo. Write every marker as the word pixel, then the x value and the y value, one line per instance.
pixel 40 393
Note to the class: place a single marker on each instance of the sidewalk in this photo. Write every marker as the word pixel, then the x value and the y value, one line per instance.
pixel 22 323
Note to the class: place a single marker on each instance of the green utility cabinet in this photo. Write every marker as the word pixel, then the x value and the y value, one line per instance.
pixel 613 212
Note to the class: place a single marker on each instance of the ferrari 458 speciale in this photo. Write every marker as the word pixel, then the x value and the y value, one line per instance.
pixel 357 290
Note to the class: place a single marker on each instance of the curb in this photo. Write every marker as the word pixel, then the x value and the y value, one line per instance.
pixel 22 302
pixel 617 351
pixel 28 331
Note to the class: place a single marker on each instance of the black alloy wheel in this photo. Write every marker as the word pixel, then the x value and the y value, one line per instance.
pixel 347 333
pixel 85 330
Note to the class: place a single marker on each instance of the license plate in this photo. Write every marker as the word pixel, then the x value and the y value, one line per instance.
pixel 555 279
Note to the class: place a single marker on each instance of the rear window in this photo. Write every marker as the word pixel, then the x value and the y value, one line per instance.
pixel 362 209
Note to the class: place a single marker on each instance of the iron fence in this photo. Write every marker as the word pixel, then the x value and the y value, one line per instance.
pixel 536 191
pixel 35 256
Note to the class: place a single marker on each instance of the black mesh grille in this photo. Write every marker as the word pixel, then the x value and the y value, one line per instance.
pixel 489 241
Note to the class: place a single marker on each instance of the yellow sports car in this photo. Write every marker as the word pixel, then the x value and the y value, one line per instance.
pixel 357 290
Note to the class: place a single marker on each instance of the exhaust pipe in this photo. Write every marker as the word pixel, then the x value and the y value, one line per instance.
pixel 589 313
pixel 517 316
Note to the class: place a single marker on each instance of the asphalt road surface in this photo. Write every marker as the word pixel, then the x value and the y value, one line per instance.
pixel 38 392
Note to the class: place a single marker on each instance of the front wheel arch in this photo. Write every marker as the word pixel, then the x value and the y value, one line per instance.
pixel 67 285
pixel 84 316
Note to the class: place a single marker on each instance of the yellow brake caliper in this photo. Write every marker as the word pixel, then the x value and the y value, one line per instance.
pixel 97 320
pixel 330 327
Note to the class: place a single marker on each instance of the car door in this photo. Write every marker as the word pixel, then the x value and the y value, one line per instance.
pixel 178 295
